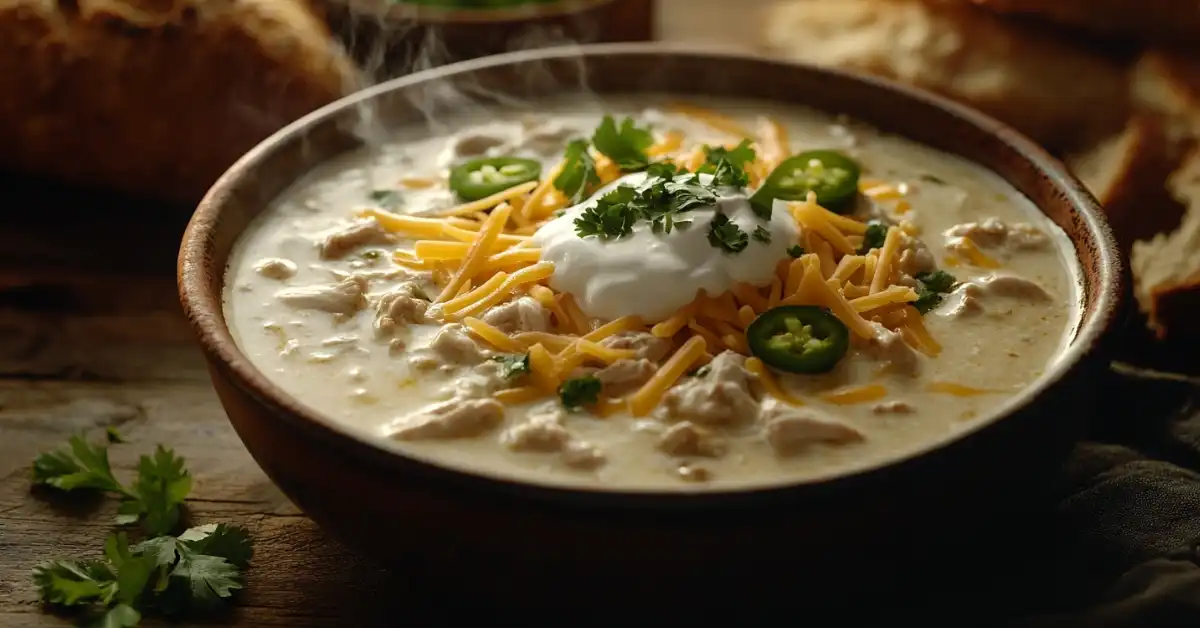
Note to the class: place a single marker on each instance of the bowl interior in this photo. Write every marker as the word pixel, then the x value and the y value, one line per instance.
pixel 618 69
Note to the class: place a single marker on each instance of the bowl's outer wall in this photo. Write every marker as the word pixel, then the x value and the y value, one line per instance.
pixel 360 492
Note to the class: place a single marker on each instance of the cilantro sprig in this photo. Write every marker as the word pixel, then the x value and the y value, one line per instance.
pixel 874 236
pixel 932 288
pixel 625 144
pixel 196 571
pixel 660 200
pixel 578 174
pixel 155 497
pixel 513 366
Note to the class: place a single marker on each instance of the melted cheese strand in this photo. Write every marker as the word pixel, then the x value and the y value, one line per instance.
pixel 487 202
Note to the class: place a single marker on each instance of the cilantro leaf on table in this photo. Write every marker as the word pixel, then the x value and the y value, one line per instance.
pixel 578 173
pixel 155 498
pixel 724 234
pixel 162 485
pixel 625 144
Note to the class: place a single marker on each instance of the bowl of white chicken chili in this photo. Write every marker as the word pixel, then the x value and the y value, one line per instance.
pixel 576 297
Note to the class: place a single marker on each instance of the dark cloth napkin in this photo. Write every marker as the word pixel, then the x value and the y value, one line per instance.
pixel 1115 541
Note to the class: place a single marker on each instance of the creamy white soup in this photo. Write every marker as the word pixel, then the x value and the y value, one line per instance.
pixel 652 295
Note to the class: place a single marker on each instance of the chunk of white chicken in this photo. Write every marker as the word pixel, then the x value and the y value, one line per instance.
pixel 362 233
pixel 888 347
pixel 459 417
pixel 624 376
pixel 451 347
pixel 482 380
pixel 542 431
pixel 790 430
pixel 522 314
pixel 722 395
pixel 915 257
pixel 547 139
pixel 686 439
pixel 276 268
pixel 402 306
pixel 648 346
pixel 969 299
pixel 344 297
pixel 994 233
pixel 580 454
pixel 892 407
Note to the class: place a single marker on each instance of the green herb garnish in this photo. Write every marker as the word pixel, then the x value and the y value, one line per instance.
pixel 625 144
pixel 724 234
pixel 611 216
pixel 659 200
pixel 386 198
pixel 196 571
pixel 578 173
pixel 795 250
pixel 155 497
pixel 580 391
pixel 932 288
pixel 513 366
pixel 762 235
pixel 737 156
pixel 874 237
pixel 112 435
pixel 932 179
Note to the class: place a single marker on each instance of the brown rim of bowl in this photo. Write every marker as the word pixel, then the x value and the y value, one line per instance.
pixel 203 304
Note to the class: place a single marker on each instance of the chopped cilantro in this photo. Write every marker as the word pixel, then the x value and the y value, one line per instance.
pixel 112 435
pixel 795 250
pixel 386 198
pixel 580 391
pixel 578 173
pixel 874 237
pixel 724 234
pixel 663 169
pixel 625 144
pixel 659 200
pixel 513 366
pixel 737 156
pixel 611 216
pixel 932 179
pixel 931 289
pixel 762 235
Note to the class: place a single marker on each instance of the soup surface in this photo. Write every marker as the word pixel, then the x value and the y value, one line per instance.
pixel 649 295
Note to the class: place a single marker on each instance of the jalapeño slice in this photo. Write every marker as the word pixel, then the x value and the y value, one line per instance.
pixel 798 339
pixel 830 174
pixel 481 178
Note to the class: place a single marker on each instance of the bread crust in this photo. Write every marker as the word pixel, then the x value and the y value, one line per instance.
pixel 1166 268
pixel 1062 95
pixel 1153 21
pixel 156 97
pixel 1126 174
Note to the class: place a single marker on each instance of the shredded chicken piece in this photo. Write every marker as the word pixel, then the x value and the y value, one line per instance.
pixel 276 268
pixel 892 407
pixel 454 418
pixel 648 346
pixel 720 396
pixel 625 376
pixel 687 439
pixel 993 232
pixel 402 306
pixel 344 297
pixel 542 430
pixel 579 454
pixel 450 347
pixel 362 233
pixel 789 430
pixel 888 346
pixel 523 314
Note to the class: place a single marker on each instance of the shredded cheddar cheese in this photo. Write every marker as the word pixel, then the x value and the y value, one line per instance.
pixel 756 366
pixel 648 396
pixel 855 394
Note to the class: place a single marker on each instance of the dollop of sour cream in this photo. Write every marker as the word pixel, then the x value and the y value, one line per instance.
pixel 653 275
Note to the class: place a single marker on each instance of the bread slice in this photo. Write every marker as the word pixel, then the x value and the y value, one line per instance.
pixel 1166 269
pixel 1174 21
pixel 156 97
pixel 1126 173
pixel 1168 84
pixel 1059 94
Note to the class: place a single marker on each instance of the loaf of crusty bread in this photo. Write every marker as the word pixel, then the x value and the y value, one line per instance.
pixel 1126 173
pixel 1175 21
pixel 156 97
pixel 1168 84
pixel 1058 93
pixel 1166 269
